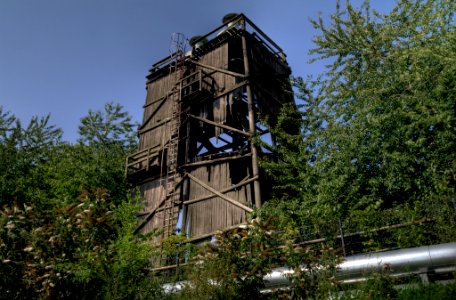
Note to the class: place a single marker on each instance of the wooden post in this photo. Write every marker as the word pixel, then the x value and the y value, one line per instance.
pixel 252 129
pixel 188 154
pixel 215 192
pixel 342 238
pixel 185 192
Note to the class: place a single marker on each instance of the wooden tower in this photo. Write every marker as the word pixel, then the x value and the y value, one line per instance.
pixel 196 167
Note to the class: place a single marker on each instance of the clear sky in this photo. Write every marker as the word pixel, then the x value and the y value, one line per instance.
pixel 65 57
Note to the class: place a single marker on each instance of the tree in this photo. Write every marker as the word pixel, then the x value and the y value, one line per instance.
pixel 112 125
pixel 67 217
pixel 234 265
pixel 98 159
pixel 386 121
pixel 84 250
pixel 23 155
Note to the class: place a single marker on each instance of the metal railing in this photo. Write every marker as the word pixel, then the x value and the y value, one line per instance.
pixel 141 160
pixel 196 82
pixel 244 23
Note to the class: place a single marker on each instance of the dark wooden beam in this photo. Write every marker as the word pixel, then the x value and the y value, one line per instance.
pixel 156 209
pixel 155 101
pixel 208 162
pixel 154 125
pixel 242 183
pixel 239 85
pixel 214 191
pixel 250 105
pixel 220 125
pixel 152 114
pixel 207 235
pixel 219 70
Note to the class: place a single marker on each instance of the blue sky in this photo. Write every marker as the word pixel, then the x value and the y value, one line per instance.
pixel 65 57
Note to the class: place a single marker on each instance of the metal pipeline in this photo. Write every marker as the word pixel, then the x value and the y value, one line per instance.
pixel 403 262
pixel 437 259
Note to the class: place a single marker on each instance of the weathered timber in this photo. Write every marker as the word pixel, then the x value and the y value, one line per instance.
pixel 220 125
pixel 213 161
pixel 203 108
pixel 155 101
pixel 155 126
pixel 214 191
pixel 157 109
pixel 151 213
pixel 244 182
pixel 219 70
pixel 233 88
pixel 250 105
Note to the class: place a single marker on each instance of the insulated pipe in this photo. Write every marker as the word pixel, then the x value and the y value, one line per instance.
pixel 439 258
pixel 420 260
pixel 403 262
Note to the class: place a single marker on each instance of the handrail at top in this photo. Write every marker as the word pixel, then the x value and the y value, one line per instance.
pixel 243 20
pixel 165 60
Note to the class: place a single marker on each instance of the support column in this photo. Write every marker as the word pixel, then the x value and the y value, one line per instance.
pixel 252 129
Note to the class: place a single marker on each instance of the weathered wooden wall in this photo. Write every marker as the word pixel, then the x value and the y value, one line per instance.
pixel 208 211
pixel 153 192
pixel 157 109
pixel 218 58
pixel 216 110
pixel 215 213
pixel 271 79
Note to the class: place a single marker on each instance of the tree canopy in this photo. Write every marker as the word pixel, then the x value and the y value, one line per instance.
pixel 378 127
pixel 67 216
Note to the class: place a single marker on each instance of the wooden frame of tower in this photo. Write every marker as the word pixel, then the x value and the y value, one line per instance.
pixel 196 166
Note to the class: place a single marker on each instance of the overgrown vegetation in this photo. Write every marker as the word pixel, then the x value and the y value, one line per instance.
pixel 66 218
pixel 378 127
pixel 376 139
pixel 375 148
pixel 233 266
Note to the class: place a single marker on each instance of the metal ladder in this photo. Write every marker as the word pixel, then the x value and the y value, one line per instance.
pixel 172 201
pixel 171 209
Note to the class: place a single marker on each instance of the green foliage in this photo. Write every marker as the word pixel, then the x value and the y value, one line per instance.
pixel 127 275
pixel 378 287
pixel 378 127
pixel 73 168
pixel 177 248
pixel 111 126
pixel 86 250
pixel 428 292
pixel 234 265
pixel 23 153
pixel 389 104
pixel 381 287
pixel 374 149
pixel 66 220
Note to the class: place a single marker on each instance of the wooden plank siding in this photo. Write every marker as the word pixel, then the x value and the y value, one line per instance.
pixel 215 213
pixel 157 89
pixel 218 187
